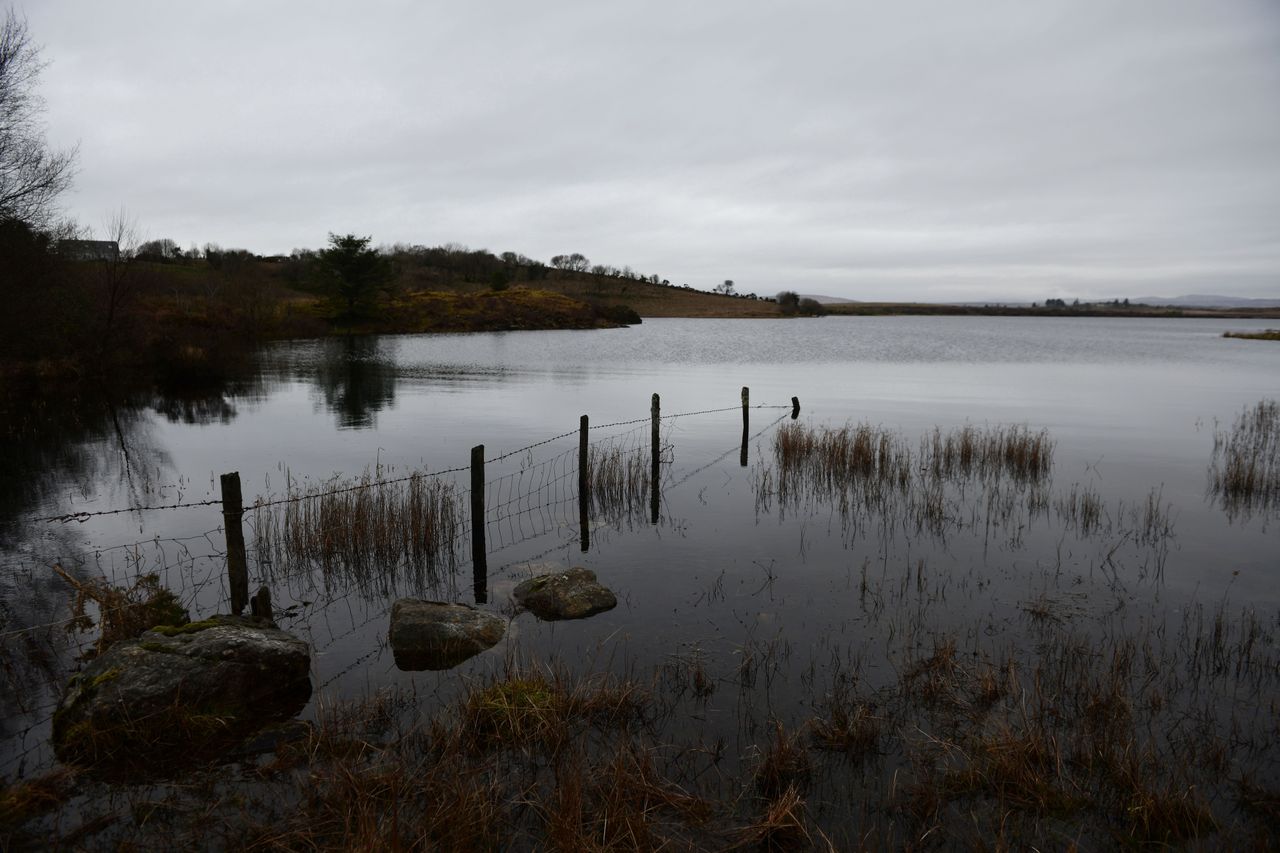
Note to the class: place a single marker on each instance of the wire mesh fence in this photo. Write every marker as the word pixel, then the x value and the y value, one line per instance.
pixel 335 554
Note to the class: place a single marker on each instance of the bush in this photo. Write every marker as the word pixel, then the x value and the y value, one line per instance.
pixel 622 314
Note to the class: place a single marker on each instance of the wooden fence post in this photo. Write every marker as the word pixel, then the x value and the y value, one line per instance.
pixel 655 411
pixel 746 424
pixel 237 562
pixel 479 561
pixel 584 486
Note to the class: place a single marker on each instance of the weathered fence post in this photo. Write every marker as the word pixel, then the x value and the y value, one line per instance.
pixel 795 408
pixel 479 561
pixel 237 562
pixel 746 423
pixel 655 411
pixel 584 486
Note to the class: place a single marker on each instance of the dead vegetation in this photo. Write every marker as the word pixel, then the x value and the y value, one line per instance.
pixel 1244 471
pixel 1114 741
pixel 123 612
pixel 371 531
pixel 620 482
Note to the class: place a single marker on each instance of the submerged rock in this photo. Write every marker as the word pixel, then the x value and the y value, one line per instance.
pixel 437 635
pixel 572 594
pixel 175 695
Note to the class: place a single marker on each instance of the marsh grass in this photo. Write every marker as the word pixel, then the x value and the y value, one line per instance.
pixel 1108 740
pixel 849 726
pixel 1244 471
pixel 1083 509
pixel 876 481
pixel 369 530
pixel 620 482
pixel 988 453
pixel 24 801
pixel 531 707
pixel 1267 335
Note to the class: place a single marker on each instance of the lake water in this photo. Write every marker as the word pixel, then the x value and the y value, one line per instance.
pixel 1132 407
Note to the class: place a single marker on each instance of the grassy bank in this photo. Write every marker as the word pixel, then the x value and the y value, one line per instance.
pixel 1268 335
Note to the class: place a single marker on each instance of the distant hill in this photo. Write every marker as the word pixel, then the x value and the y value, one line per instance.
pixel 1200 300
pixel 826 300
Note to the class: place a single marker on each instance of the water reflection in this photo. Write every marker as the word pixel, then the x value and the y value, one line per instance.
pixel 356 378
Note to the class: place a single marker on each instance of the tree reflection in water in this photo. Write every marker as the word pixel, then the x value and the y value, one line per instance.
pixel 356 377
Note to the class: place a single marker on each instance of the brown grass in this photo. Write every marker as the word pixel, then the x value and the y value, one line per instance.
pixel 784 765
pixel 972 452
pixel 850 727
pixel 365 527
pixel 620 482
pixel 1244 472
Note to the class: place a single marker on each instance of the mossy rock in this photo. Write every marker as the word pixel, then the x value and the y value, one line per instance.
pixel 572 594
pixel 155 704
pixel 436 635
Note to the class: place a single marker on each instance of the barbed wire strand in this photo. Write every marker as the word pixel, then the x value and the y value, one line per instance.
pixel 82 517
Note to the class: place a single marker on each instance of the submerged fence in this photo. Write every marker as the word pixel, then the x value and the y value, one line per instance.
pixel 419 529
pixel 428 521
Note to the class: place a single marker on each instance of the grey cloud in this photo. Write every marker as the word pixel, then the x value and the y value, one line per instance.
pixel 866 150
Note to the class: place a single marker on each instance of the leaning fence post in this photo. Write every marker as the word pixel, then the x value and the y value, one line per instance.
pixel 479 562
pixel 746 422
pixel 655 411
pixel 237 562
pixel 584 486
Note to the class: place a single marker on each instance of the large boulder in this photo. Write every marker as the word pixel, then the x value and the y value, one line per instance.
pixel 436 635
pixel 572 594
pixel 179 694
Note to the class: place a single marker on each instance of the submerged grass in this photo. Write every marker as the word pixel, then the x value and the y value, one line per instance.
pixel 1244 471
pixel 1070 741
pixel 620 480
pixel 364 527
pixel 1029 730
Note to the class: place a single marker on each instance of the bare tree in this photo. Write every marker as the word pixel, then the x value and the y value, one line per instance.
pixel 122 228
pixel 31 174
pixel 576 262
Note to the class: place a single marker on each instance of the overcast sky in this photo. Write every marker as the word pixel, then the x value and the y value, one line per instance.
pixel 878 150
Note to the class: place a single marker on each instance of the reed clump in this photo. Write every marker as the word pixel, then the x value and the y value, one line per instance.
pixel 1266 335
pixel 850 727
pixel 620 482
pixel 530 707
pixel 875 479
pixel 364 525
pixel 969 451
pixel 869 457
pixel 784 764
pixel 1244 472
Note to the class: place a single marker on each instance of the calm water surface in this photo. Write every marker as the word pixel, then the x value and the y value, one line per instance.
pixel 1132 405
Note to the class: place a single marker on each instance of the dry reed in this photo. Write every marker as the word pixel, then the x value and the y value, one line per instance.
pixel 363 526
pixel 1244 472
pixel 620 482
